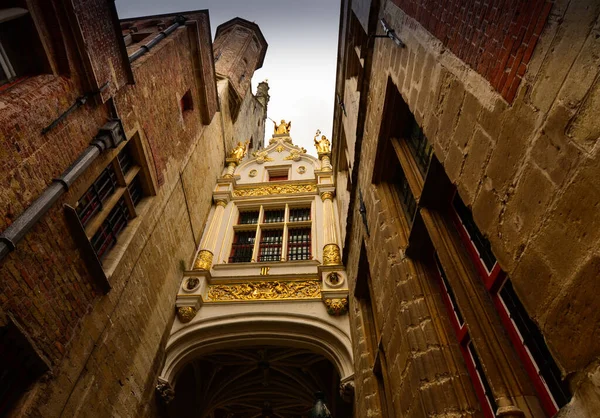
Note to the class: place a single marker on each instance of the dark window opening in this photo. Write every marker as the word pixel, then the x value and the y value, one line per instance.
pixel 404 194
pixel 187 103
pixel 487 390
pixel 274 215
pixel 533 340
pixel 135 190
pixel 125 159
pixel 106 236
pixel 248 217
pixel 20 363
pixel 92 201
pixel 449 292
pixel 270 245
pixel 21 51
pixel 419 146
pixel 299 214
pixel 242 247
pixel 299 244
pixel 481 244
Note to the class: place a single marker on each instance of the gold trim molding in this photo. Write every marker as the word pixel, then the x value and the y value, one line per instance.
pixel 326 195
pixel 276 290
pixel 331 255
pixel 204 260
pixel 186 313
pixel 336 307
pixel 275 189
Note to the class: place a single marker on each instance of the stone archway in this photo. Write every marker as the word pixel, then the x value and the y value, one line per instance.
pixel 318 354
pixel 253 382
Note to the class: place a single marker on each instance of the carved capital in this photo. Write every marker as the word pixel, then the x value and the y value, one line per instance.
pixel 204 260
pixel 326 195
pixel 186 313
pixel 331 255
pixel 337 307
pixel 165 391
pixel 221 203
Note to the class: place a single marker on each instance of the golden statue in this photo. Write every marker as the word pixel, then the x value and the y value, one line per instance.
pixel 239 152
pixel 323 144
pixel 282 128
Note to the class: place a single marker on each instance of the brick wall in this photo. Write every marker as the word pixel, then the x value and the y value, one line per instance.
pixel 104 349
pixel 496 38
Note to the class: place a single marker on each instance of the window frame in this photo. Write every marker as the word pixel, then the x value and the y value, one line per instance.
pixel 284 226
pixel 101 266
pixel 463 337
pixel 494 280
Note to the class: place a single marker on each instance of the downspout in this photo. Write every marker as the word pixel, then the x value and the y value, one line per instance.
pixel 109 136
pixel 179 21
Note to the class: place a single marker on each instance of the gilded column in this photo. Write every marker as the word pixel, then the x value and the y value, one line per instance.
pixel 204 259
pixel 331 250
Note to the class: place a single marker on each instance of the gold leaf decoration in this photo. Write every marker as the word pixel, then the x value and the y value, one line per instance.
pixel 276 189
pixel 337 307
pixel 309 289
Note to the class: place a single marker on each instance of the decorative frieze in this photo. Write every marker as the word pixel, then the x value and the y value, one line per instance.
pixel 276 189
pixel 264 290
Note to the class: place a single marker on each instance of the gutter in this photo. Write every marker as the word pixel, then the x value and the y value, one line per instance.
pixel 109 136
pixel 144 49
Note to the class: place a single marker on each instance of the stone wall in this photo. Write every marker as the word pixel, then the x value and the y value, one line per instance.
pixel 529 171
pixel 105 350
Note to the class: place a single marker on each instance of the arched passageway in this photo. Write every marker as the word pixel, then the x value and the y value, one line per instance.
pixel 258 381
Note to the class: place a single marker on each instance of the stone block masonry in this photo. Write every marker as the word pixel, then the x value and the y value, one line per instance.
pixel 505 100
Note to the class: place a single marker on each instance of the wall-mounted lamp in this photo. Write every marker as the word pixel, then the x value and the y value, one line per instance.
pixel 390 33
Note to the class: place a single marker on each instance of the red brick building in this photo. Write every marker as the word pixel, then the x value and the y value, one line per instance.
pixel 467 175
pixel 106 128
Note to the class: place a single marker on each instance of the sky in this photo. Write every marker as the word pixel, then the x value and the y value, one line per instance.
pixel 301 57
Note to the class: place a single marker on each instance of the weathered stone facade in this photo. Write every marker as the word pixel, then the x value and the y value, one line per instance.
pixel 102 351
pixel 528 171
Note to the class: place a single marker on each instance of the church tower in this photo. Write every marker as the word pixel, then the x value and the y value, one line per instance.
pixel 267 291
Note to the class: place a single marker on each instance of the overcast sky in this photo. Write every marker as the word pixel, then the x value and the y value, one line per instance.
pixel 301 58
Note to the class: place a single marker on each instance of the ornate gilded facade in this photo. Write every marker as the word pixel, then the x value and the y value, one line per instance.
pixel 269 263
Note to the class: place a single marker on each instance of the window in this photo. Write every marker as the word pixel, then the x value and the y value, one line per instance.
pixel 242 247
pixel 419 146
pixel 21 51
pixel 110 203
pixel 404 194
pixel 272 234
pixel 522 330
pixel 279 174
pixel 472 361
pixel 299 244
pixel 532 348
pixel 271 243
pixel 186 102
pixel 481 246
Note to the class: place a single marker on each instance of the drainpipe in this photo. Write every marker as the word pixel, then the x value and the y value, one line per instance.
pixel 109 136
pixel 179 21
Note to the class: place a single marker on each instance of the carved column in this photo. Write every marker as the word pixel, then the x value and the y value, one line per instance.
pixel 331 250
pixel 231 164
pixel 325 162
pixel 204 259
